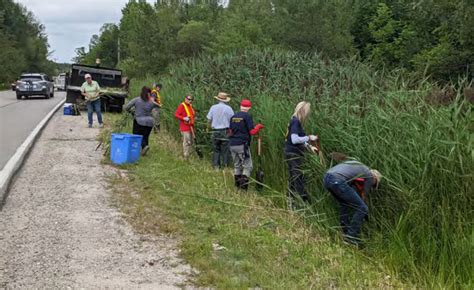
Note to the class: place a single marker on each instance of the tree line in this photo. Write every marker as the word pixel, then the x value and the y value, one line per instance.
pixel 431 37
pixel 23 43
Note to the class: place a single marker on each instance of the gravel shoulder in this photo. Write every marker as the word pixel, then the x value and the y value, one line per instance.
pixel 59 229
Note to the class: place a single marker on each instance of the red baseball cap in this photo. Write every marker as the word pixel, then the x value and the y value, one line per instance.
pixel 246 103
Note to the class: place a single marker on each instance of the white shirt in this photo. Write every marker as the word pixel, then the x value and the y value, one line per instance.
pixel 220 115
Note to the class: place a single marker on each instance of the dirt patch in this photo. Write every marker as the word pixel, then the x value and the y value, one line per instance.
pixel 441 96
pixel 59 229
pixel 338 156
pixel 469 94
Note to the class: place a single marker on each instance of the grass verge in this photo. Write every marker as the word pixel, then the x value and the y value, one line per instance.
pixel 235 239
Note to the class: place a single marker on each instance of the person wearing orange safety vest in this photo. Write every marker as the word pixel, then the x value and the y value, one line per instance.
pixel 155 95
pixel 185 114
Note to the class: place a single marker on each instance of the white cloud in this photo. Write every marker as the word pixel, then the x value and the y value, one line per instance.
pixel 71 23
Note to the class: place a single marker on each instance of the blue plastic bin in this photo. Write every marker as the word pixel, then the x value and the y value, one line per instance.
pixel 68 110
pixel 125 148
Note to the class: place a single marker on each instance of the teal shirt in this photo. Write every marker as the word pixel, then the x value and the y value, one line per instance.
pixel 91 90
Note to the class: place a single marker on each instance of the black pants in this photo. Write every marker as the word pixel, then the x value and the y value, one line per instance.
pixel 142 130
pixel 295 177
pixel 220 143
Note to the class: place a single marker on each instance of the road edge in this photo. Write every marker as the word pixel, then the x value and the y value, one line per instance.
pixel 15 162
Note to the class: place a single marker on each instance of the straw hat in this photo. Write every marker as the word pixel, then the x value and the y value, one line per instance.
pixel 377 176
pixel 223 97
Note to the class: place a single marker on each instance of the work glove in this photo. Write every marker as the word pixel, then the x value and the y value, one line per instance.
pixel 186 119
pixel 256 129
pixel 313 149
pixel 313 137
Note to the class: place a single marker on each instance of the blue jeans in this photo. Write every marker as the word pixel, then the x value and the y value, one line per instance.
pixel 94 106
pixel 348 200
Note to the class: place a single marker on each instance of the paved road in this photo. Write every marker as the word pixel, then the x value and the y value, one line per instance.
pixel 18 118
pixel 60 229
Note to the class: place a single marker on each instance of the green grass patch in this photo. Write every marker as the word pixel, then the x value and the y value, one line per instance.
pixel 420 136
pixel 235 239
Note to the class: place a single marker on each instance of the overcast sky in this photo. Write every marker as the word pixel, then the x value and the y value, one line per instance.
pixel 71 23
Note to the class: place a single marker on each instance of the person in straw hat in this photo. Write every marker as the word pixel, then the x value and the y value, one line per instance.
pixel 349 182
pixel 219 119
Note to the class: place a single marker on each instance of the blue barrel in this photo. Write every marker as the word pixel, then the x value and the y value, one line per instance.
pixel 125 148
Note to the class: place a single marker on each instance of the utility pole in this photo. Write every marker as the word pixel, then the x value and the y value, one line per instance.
pixel 118 50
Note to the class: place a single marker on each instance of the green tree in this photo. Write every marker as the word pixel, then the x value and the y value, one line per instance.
pixel 314 25
pixel 23 42
pixel 13 62
pixel 80 55
pixel 193 37
pixel 103 46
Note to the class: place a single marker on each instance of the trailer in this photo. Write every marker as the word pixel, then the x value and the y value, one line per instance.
pixel 60 82
pixel 112 90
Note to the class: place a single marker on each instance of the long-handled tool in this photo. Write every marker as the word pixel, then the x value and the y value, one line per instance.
pixel 198 150
pixel 259 174
pixel 118 125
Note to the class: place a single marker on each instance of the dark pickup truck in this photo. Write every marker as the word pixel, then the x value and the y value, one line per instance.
pixel 112 91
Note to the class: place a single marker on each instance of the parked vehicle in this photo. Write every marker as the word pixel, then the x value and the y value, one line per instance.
pixel 112 93
pixel 34 84
pixel 60 82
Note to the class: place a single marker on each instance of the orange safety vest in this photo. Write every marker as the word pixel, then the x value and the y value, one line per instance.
pixel 188 112
pixel 158 96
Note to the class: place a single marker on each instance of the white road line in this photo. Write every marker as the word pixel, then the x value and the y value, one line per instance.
pixel 15 162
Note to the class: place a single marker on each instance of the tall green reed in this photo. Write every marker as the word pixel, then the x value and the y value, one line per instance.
pixel 421 219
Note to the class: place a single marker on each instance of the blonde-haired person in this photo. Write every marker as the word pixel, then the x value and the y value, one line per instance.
pixel 295 146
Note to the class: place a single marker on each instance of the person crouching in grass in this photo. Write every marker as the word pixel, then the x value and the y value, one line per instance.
pixel 143 120
pixel 241 130
pixel 349 182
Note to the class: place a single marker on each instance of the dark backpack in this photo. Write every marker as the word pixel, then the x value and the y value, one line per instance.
pixel 75 110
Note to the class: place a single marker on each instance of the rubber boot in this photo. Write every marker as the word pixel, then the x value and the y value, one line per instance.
pixel 244 184
pixel 237 179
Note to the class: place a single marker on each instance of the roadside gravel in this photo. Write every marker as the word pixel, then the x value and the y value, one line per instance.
pixel 58 228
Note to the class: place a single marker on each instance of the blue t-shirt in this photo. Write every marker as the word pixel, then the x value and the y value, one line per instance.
pixel 240 124
pixel 294 128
